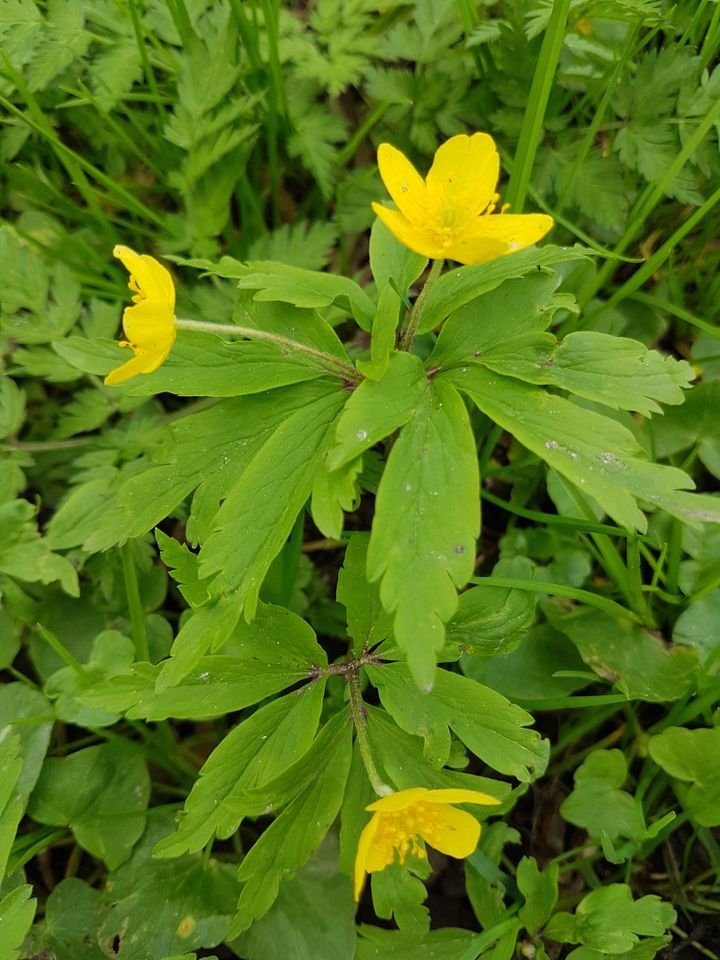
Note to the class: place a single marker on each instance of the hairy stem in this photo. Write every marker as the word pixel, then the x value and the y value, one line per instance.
pixel 357 709
pixel 417 310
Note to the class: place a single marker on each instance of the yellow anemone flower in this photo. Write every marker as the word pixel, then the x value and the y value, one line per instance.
pixel 401 818
pixel 149 325
pixel 447 215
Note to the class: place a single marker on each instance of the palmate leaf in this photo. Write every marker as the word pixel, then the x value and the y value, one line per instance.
pixel 427 517
pixel 255 752
pixel 207 450
pixel 488 724
pixel 292 838
pixel 260 509
pixel 597 454
pixel 460 286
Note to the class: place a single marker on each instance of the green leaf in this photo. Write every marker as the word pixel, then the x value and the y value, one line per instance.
pixel 11 805
pixel 313 917
pixel 384 326
pixel 378 407
pixel 208 627
pixel 368 622
pixel 427 516
pixel 73 914
pixel 290 840
pixel 597 454
pixel 402 757
pixel 463 284
pixel 333 494
pixel 696 625
pixel 288 284
pixel 446 944
pixel 12 408
pixel 306 244
pixel 487 723
pixel 597 802
pixel 260 509
pixel 112 653
pixel 62 40
pixel 623 652
pixel 505 328
pixel 692 756
pixel 183 565
pixel 609 920
pixel 490 621
pixel 199 365
pixel 161 908
pixel 25 713
pixel 26 555
pixel 398 894
pixel 392 262
pixel 16 915
pixel 540 889
pixel 256 751
pixel 107 816
pixel 615 371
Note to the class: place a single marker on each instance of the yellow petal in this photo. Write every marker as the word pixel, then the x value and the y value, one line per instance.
pixel 517 230
pixel 455 833
pixel 149 325
pixel 403 182
pixel 363 851
pixel 465 173
pixel 153 280
pixel 457 795
pixel 399 800
pixel 142 363
pixel 416 238
pixel 497 235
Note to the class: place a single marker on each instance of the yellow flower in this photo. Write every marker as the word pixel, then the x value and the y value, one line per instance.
pixel 401 818
pixel 150 325
pixel 447 215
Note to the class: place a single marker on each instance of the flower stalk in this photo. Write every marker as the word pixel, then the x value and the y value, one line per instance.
pixel 331 364
pixel 357 710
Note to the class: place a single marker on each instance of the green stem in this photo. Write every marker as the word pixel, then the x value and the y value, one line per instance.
pixel 137 617
pixel 537 103
pixel 417 312
pixel 357 709
pixel 332 364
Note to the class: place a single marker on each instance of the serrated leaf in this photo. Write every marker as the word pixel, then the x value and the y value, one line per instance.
pixel 63 39
pixel 208 627
pixel 609 920
pixel 398 894
pixel 616 371
pixel 255 752
pixel 114 71
pixel 595 453
pixel 333 494
pixel 540 889
pixel 503 329
pixel 463 284
pixel 368 622
pixel 183 564
pixel 422 544
pixel 378 407
pixel 274 486
pixel 73 914
pixel 487 723
pixel 314 141
pixel 290 840
pixel 11 804
pixel 27 714
pixel 307 245
pixel 17 910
